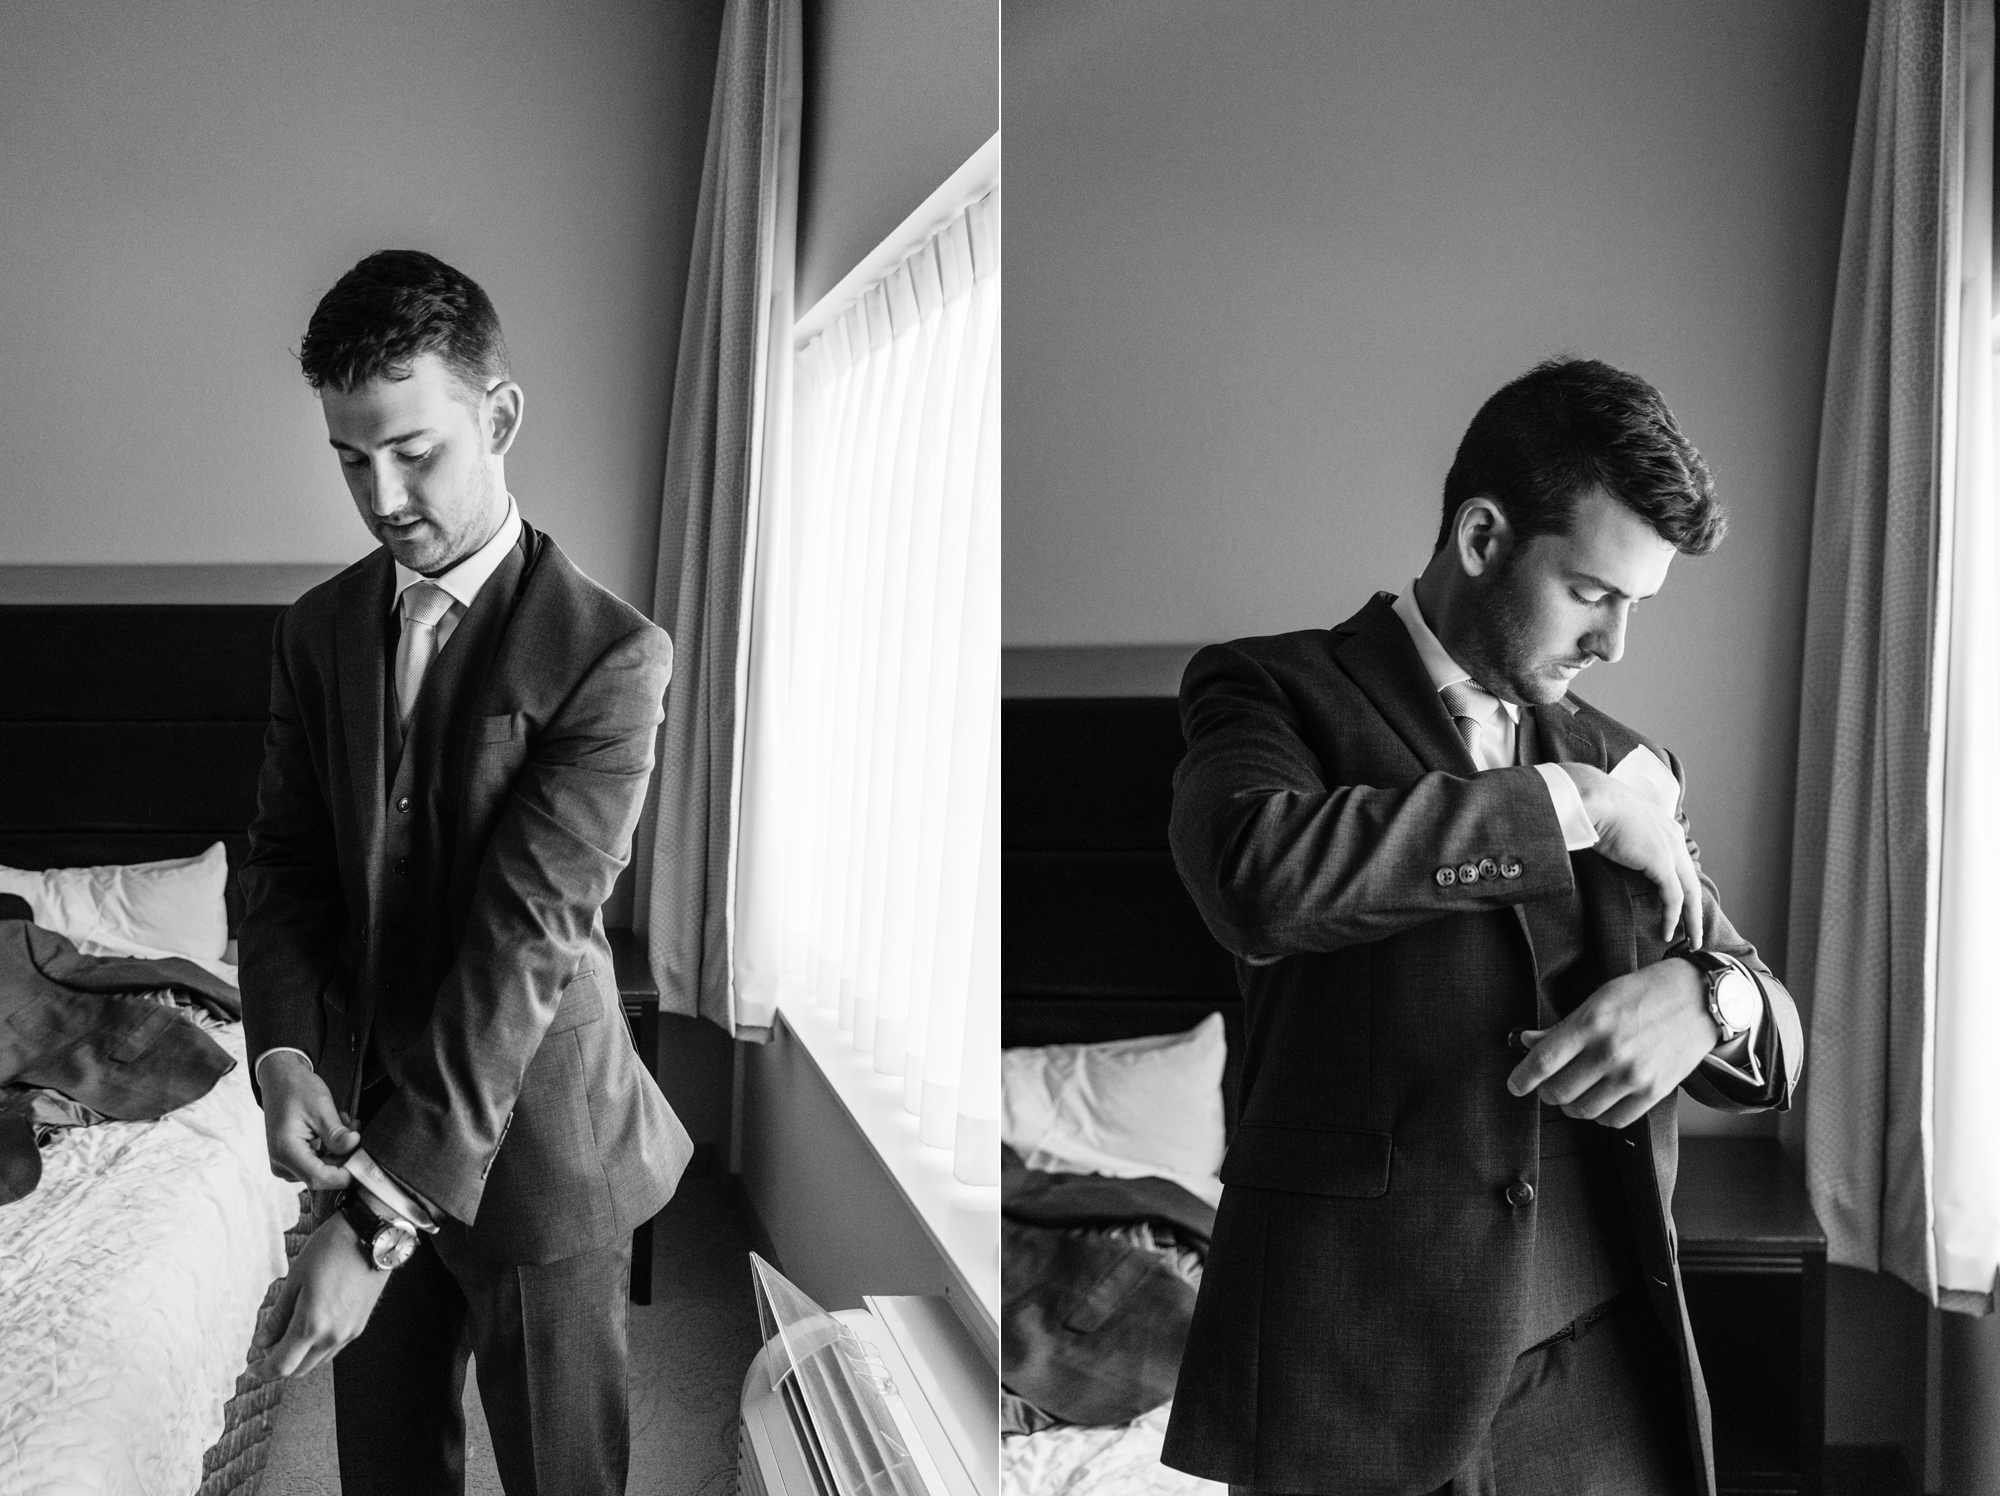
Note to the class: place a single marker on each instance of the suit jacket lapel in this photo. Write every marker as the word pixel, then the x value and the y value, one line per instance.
pixel 1607 898
pixel 360 650
pixel 1380 658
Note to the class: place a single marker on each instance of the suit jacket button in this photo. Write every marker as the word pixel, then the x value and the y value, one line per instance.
pixel 403 805
pixel 1468 872
pixel 1515 1041
pixel 1446 877
pixel 1488 868
pixel 1520 1193
pixel 1511 868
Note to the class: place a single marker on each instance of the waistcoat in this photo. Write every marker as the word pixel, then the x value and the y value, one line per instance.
pixel 1584 1249
pixel 416 939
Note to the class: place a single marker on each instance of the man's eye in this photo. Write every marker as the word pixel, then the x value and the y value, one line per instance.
pixel 422 456
pixel 350 460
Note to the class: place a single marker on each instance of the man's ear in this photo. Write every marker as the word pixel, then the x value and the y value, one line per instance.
pixel 505 403
pixel 1481 536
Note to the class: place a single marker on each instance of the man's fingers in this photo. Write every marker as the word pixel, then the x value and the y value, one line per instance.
pixel 1554 1050
pixel 334 1135
pixel 281 1315
pixel 308 1168
pixel 1692 881
pixel 1594 1102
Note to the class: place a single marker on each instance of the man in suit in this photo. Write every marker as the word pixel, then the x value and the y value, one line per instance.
pixel 460 737
pixel 1478 956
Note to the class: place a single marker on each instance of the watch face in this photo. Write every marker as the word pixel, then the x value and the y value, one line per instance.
pixel 393 1244
pixel 1736 996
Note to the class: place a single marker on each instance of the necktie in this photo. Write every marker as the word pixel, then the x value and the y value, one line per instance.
pixel 424 604
pixel 1470 709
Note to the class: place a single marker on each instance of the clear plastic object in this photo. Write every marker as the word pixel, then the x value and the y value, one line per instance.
pixel 842 1385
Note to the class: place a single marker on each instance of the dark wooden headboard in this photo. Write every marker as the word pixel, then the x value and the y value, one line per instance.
pixel 131 733
pixel 1099 937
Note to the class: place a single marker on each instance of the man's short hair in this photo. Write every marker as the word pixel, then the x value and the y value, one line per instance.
pixel 394 306
pixel 1573 424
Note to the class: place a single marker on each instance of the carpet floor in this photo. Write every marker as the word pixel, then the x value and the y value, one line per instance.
pixel 690 1348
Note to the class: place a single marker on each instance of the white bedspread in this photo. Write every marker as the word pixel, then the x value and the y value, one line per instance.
pixel 129 1286
pixel 1118 1461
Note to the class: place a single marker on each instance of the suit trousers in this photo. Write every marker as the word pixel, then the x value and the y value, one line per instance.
pixel 549 1348
pixel 1595 1411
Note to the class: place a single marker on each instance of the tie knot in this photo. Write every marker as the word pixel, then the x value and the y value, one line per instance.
pixel 425 603
pixel 1463 699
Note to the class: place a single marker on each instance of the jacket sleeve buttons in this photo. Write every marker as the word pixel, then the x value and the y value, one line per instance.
pixel 1510 867
pixel 1488 868
pixel 1468 872
pixel 1446 877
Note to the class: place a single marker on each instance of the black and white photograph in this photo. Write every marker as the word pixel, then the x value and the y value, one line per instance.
pixel 499 602
pixel 1499 721
pixel 650 843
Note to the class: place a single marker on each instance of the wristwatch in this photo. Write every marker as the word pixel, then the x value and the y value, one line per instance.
pixel 1734 998
pixel 386 1242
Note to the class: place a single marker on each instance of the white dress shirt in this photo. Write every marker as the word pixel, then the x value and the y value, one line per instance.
pixel 1498 744
pixel 462 582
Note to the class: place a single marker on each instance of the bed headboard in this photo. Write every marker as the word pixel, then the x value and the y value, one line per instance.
pixel 131 732
pixel 1099 937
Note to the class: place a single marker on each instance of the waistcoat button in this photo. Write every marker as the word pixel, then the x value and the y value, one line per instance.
pixel 402 864
pixel 404 805
pixel 1520 1192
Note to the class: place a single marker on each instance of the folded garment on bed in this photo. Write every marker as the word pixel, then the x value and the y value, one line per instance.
pixel 1098 1280
pixel 80 1026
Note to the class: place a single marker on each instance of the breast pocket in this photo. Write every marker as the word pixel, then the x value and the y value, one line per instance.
pixel 1310 1160
pixel 505 728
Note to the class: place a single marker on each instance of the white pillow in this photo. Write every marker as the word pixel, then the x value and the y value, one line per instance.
pixel 171 908
pixel 1129 1108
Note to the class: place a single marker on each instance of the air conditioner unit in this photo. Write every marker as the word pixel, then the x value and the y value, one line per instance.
pixel 928 1391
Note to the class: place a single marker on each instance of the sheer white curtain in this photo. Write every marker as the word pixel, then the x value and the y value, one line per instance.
pixel 868 880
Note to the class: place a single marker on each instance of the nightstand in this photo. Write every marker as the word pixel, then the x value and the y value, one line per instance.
pixel 640 996
pixel 1753 1260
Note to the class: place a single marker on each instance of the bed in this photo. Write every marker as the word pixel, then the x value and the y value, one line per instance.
pixel 132 1277
pixel 1101 943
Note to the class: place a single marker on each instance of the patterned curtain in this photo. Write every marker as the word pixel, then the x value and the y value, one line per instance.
pixel 726 450
pixel 1894 882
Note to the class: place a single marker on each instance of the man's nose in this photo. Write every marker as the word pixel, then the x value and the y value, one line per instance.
pixel 385 484
pixel 1607 641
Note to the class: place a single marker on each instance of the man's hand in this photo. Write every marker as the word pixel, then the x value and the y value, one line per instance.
pixel 325 1303
pixel 301 1124
pixel 1624 1048
pixel 1632 832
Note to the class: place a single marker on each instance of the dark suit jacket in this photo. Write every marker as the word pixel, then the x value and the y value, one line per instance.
pixel 1365 1291
pixel 522 1109
pixel 74 1024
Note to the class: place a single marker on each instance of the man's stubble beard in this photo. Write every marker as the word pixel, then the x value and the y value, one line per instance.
pixel 1502 647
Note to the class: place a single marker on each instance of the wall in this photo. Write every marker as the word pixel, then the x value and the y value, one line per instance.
pixel 1266 257
pixel 184 179
pixel 898 94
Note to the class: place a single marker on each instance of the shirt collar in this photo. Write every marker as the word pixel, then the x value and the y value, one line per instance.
pixel 1438 663
pixel 464 580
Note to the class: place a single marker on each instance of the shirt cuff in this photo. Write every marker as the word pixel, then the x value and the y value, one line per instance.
pixel 1577 831
pixel 258 1068
pixel 404 1202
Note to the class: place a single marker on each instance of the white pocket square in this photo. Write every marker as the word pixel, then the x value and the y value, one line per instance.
pixel 1642 771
